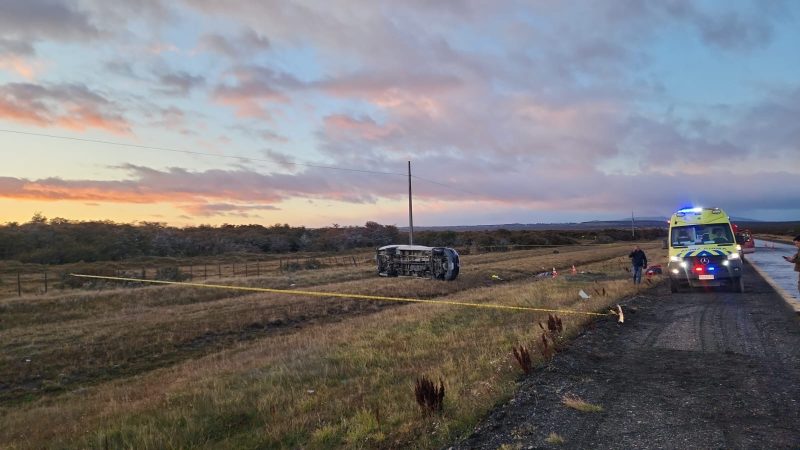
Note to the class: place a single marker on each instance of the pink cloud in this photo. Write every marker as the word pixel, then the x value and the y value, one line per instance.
pixel 218 188
pixel 253 88
pixel 364 128
pixel 73 107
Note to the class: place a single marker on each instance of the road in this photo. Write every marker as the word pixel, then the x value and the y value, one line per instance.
pixel 780 274
pixel 701 369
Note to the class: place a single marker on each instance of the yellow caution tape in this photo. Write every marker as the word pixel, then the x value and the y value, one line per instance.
pixel 340 295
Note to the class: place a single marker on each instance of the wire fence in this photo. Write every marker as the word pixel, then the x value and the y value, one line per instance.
pixel 39 282
pixel 24 283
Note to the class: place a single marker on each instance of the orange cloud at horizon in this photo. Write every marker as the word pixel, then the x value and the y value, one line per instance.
pixel 47 192
pixel 296 212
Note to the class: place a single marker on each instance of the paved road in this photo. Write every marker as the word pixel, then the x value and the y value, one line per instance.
pixel 701 369
pixel 767 259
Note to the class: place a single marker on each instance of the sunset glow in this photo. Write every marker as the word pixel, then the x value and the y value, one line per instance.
pixel 307 112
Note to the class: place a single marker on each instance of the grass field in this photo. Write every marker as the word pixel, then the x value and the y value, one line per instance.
pixel 190 367
pixel 17 279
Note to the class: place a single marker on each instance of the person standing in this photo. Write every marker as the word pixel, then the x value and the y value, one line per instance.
pixel 639 262
pixel 796 260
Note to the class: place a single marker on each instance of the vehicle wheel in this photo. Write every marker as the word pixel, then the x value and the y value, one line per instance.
pixel 673 286
pixel 737 285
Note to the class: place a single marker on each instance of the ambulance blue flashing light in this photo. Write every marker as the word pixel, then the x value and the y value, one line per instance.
pixel 695 210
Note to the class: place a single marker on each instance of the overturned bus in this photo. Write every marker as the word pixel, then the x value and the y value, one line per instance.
pixel 439 263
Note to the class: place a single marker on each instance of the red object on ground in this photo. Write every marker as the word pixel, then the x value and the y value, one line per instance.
pixel 653 270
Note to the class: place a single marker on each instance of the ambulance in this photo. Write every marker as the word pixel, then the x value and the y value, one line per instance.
pixel 703 250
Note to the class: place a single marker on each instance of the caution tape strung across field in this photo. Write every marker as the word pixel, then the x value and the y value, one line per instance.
pixel 353 296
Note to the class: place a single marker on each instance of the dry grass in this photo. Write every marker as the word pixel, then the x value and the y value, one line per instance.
pixel 343 378
pixel 577 403
pixel 555 439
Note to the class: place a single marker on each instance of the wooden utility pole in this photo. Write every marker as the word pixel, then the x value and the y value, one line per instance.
pixel 633 233
pixel 410 210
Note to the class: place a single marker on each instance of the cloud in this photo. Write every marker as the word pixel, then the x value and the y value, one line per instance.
pixel 365 128
pixel 224 209
pixel 514 105
pixel 729 29
pixel 23 23
pixel 20 66
pixel 179 83
pixel 181 186
pixel 15 47
pixel 70 106
pixel 252 88
pixel 376 84
pixel 246 44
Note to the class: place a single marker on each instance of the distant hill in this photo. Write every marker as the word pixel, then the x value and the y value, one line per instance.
pixel 591 225
pixel 639 222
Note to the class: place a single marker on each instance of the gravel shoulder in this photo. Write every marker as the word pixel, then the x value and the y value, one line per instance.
pixel 701 369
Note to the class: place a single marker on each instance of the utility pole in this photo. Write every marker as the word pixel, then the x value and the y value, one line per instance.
pixel 410 213
pixel 633 233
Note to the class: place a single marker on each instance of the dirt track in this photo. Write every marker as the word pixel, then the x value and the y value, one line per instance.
pixel 690 370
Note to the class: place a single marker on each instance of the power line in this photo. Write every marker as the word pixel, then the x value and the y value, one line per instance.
pixel 445 185
pixel 222 155
pixel 190 152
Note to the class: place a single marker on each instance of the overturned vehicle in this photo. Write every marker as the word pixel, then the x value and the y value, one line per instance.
pixel 440 263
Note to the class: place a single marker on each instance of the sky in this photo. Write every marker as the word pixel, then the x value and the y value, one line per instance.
pixel 192 112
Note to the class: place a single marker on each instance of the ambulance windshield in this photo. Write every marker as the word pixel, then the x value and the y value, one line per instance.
pixel 701 234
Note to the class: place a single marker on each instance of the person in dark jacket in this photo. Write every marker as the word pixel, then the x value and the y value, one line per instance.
pixel 796 260
pixel 639 262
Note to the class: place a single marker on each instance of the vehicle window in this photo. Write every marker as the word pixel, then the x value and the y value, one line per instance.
pixel 718 235
pixel 683 236
pixel 701 234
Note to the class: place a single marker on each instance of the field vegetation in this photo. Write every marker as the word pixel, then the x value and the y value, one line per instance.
pixel 177 366
pixel 62 241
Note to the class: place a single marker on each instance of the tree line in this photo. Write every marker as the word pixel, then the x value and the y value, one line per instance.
pixel 61 241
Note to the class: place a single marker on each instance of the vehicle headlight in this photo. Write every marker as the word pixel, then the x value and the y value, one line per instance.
pixel 684 265
pixel 734 255
pixel 674 259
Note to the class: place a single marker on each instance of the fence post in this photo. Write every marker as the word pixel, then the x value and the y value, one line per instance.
pixel 245 270
pixel 219 270
pixel 19 286
pixel 191 272
pixel 280 264
pixel 258 268
pixel 144 274
pixel 234 270
pixel 354 261
pixel 45 282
